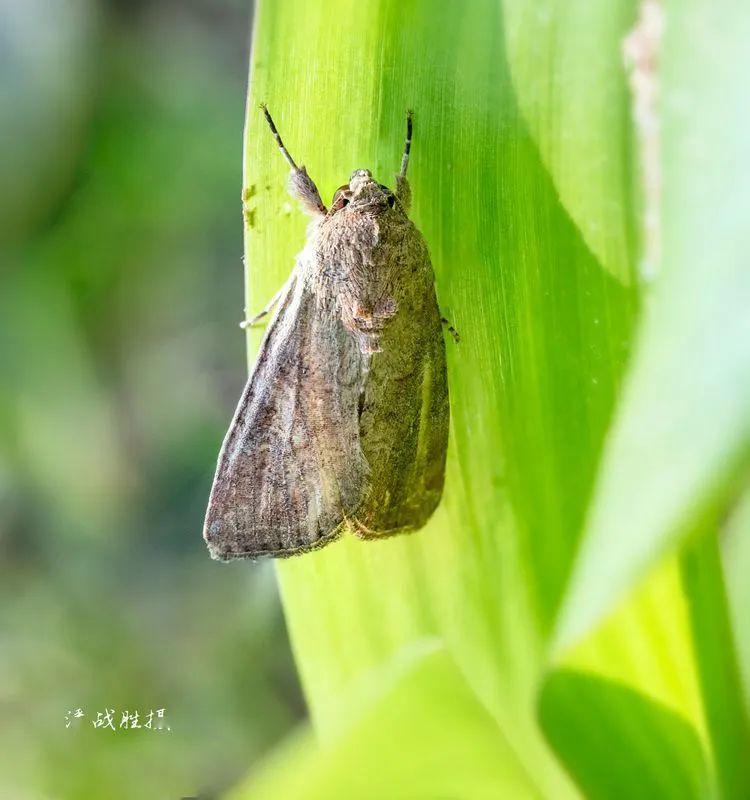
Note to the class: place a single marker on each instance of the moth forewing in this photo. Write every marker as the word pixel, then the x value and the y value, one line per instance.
pixel 405 414
pixel 287 473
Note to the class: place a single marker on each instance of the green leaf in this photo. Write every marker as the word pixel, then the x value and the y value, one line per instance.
pixel 736 563
pixel 724 704
pixel 565 59
pixel 646 644
pixel 427 736
pixel 544 338
pixel 685 416
pixel 545 329
pixel 618 744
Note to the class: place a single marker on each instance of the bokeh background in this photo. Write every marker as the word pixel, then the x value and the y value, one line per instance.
pixel 120 294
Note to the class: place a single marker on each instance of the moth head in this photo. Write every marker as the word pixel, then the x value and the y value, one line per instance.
pixel 363 193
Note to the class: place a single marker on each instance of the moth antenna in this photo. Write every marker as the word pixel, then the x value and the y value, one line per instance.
pixel 301 185
pixel 407 144
pixel 272 126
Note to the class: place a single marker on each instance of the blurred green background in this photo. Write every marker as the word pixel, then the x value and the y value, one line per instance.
pixel 563 628
pixel 120 294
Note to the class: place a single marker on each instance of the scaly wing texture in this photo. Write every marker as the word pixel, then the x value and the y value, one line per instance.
pixel 291 467
pixel 405 415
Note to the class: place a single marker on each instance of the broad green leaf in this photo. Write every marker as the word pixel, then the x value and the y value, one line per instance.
pixel 427 736
pixel 725 711
pixel 545 330
pixel 618 744
pixel 565 58
pixel 683 661
pixel 736 562
pixel 685 415
pixel 646 644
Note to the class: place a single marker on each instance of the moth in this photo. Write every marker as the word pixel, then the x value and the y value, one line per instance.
pixel 343 423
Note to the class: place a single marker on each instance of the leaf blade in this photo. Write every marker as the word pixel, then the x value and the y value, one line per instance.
pixel 401 747
pixel 683 422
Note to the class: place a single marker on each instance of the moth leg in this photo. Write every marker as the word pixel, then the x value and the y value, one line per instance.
pixel 403 190
pixel 407 143
pixel 249 323
pixel 301 185
pixel 453 332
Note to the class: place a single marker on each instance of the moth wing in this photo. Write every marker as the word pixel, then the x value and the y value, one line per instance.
pixel 405 419
pixel 291 468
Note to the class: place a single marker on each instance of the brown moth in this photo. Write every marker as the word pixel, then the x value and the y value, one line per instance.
pixel 343 424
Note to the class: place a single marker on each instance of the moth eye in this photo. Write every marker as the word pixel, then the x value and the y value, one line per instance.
pixel 391 200
pixel 340 198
